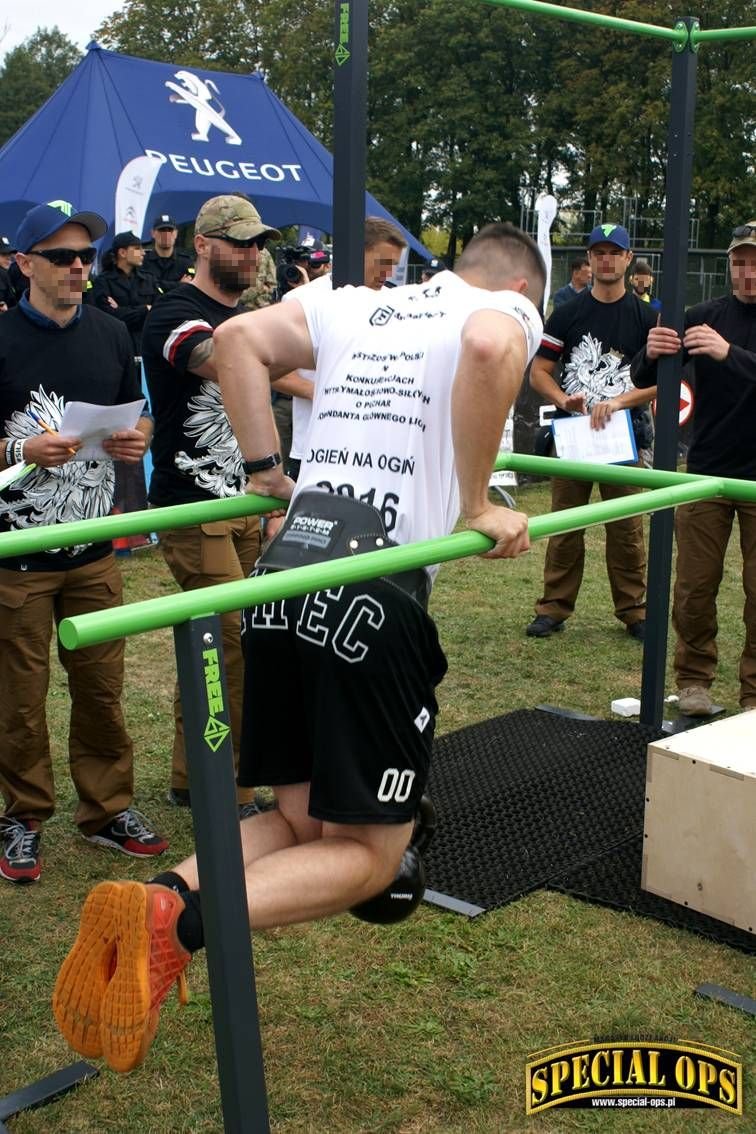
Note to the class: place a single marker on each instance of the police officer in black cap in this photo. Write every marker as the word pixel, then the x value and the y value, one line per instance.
pixel 169 265
pixel 432 268
pixel 8 297
pixel 123 289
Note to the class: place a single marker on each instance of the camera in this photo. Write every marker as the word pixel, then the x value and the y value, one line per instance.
pixel 288 276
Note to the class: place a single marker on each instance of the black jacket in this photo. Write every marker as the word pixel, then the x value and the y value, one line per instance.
pixel 168 270
pixel 133 294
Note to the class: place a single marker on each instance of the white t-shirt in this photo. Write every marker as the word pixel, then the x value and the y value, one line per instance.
pixel 381 426
pixel 301 408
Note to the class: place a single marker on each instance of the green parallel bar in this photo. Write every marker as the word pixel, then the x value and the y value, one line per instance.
pixel 153 614
pixel 732 488
pixel 31 540
pixel 698 36
pixel 678 35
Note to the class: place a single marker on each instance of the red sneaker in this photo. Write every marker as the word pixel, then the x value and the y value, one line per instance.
pixel 149 958
pixel 86 971
pixel 20 858
pixel 128 832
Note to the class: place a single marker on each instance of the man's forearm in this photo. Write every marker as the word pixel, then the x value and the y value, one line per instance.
pixel 245 388
pixel 542 381
pixel 146 426
pixel 636 397
pixel 295 385
pixel 487 382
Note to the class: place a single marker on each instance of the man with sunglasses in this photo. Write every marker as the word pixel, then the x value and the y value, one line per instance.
pixel 54 350
pixel 719 337
pixel 195 454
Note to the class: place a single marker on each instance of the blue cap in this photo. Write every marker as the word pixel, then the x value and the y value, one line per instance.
pixel 610 234
pixel 45 220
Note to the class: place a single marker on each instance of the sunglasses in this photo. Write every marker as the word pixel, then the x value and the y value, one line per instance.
pixel 66 257
pixel 743 230
pixel 257 242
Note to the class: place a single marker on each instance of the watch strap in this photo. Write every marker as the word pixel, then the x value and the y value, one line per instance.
pixel 263 464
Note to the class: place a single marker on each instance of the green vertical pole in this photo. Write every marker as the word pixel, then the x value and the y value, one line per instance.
pixel 349 141
pixel 228 947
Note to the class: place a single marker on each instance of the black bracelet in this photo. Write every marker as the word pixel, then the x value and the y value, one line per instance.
pixel 263 464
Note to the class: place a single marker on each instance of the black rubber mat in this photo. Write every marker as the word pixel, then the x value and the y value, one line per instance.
pixel 529 795
pixel 614 880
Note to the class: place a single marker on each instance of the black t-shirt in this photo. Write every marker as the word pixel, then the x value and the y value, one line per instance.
pixel 724 413
pixel 41 369
pixel 167 270
pixel 596 342
pixel 194 453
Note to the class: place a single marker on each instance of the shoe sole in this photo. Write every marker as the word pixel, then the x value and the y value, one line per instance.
pixel 23 880
pixel 111 844
pixel 128 1021
pixel 127 1026
pixel 86 971
pixel 544 634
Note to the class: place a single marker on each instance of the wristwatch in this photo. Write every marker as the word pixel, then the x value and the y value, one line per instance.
pixel 263 464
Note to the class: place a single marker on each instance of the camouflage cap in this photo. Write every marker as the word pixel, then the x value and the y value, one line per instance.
pixel 743 234
pixel 232 216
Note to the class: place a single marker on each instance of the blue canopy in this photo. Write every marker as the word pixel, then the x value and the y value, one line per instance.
pixel 214 132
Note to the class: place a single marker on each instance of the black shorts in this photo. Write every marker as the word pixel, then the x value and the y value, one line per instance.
pixel 339 691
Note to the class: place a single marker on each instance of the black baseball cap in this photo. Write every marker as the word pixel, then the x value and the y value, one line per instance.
pixel 164 221
pixel 125 240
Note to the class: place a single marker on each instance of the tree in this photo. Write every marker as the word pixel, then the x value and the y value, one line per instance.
pixel 221 35
pixel 475 109
pixel 30 74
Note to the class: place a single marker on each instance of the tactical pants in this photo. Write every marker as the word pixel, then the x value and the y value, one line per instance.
pixel 703 531
pixel 100 751
pixel 565 556
pixel 220 552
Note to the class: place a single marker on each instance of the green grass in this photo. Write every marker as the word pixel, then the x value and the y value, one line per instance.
pixel 415 1028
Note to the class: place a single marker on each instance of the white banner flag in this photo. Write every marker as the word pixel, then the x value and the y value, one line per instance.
pixel 133 193
pixel 546 207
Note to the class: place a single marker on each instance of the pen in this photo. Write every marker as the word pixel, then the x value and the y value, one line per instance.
pixel 47 428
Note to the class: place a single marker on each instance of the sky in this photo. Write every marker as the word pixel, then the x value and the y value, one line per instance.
pixel 76 18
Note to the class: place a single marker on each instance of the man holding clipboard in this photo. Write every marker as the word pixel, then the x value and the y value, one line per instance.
pixel 593 338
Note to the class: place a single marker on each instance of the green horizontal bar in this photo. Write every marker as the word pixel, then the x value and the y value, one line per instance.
pixel 732 488
pixel 153 614
pixel 698 36
pixel 45 538
pixel 634 27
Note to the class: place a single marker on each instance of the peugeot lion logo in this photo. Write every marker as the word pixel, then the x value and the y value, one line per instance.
pixel 209 111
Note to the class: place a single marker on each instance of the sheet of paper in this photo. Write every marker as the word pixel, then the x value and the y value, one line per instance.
pixel 94 424
pixel 574 439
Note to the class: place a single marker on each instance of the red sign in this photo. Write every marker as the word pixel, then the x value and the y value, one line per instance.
pixel 686 403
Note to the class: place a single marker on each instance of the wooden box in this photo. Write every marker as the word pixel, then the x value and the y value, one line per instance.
pixel 700 823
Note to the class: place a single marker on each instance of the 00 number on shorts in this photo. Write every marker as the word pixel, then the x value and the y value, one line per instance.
pixel 387 508
pixel 395 785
